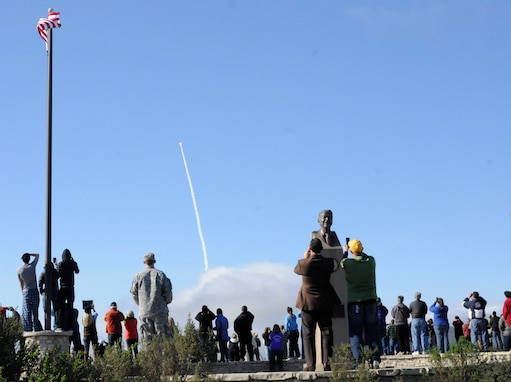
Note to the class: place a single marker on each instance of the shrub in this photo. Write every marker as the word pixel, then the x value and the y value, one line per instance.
pixel 114 365
pixel 56 366
pixel 14 356
pixel 178 357
pixel 345 369
pixel 460 364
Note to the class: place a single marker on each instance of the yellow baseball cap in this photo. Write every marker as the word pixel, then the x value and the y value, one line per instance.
pixel 355 246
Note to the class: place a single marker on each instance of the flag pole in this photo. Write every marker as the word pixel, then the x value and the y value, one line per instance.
pixel 49 266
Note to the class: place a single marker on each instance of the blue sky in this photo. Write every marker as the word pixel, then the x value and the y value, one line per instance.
pixel 394 115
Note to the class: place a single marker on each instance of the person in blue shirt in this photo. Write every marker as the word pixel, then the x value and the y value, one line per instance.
pixel 293 333
pixel 222 335
pixel 441 324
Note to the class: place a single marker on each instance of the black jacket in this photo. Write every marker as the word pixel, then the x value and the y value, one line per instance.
pixel 243 323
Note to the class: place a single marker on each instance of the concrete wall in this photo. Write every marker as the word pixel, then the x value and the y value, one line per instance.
pixel 48 339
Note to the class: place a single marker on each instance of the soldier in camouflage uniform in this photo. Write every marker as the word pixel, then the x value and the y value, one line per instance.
pixel 152 291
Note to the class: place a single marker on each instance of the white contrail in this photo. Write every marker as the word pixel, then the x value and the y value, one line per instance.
pixel 196 210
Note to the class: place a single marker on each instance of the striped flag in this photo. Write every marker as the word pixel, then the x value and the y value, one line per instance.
pixel 53 21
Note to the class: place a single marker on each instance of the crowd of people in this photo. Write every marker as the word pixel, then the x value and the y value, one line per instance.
pixel 60 297
pixel 151 290
pixel 407 332
pixel 281 341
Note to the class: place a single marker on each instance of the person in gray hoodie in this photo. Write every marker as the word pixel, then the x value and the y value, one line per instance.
pixel 400 314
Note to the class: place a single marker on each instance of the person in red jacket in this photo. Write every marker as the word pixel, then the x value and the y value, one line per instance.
pixel 466 330
pixel 506 309
pixel 131 332
pixel 114 319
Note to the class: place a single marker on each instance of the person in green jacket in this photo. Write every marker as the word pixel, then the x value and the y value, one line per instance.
pixel 360 271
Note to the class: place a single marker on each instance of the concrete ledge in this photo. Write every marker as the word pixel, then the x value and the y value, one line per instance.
pixel 274 376
pixel 422 361
pixel 251 367
pixel 48 339
pixel 414 372
pixel 322 376
pixel 403 368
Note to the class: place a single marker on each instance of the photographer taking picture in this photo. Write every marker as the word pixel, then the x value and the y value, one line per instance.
pixel 66 270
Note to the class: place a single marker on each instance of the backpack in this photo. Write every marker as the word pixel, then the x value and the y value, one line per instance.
pixel 87 320
pixel 478 311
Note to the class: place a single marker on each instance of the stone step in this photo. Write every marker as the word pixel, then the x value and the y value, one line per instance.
pixel 407 361
pixel 252 367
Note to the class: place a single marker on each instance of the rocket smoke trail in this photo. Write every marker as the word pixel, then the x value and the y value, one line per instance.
pixel 196 210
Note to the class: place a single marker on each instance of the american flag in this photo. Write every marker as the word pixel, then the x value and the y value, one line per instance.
pixel 53 21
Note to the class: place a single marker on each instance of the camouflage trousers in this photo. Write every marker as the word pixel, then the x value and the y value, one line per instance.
pixel 157 325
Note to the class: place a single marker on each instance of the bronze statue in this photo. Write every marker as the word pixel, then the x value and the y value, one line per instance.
pixel 328 237
pixel 332 249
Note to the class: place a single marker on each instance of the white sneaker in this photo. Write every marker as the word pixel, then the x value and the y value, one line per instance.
pixel 415 353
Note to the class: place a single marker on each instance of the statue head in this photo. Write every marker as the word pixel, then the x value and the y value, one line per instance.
pixel 325 219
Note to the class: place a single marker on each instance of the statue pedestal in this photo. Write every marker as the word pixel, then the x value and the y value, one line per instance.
pixel 48 340
pixel 340 314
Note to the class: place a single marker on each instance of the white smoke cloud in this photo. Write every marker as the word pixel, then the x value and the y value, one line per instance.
pixel 267 289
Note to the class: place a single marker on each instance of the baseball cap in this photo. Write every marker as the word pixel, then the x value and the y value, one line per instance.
pixel 355 246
